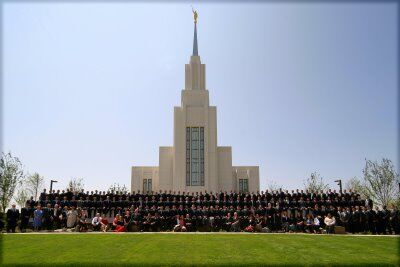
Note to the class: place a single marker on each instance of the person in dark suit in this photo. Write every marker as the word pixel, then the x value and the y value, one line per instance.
pixel 47 217
pixel 368 202
pixel 25 215
pixel 56 215
pixel 32 204
pixel 2 223
pixel 12 218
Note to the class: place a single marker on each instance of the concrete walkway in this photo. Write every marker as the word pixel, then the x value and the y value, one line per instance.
pixel 193 233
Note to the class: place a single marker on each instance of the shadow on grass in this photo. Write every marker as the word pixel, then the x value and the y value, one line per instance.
pixel 227 264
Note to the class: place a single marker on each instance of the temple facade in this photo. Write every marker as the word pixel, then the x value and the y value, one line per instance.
pixel 195 162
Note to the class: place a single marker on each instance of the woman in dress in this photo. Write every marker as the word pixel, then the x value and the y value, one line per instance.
pixel 118 223
pixel 37 218
pixel 72 217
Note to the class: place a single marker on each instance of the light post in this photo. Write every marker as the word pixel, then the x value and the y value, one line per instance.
pixel 51 185
pixel 339 182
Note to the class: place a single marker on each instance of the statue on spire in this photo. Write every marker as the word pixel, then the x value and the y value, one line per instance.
pixel 194 15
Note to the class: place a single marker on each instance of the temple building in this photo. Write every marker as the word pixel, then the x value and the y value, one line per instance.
pixel 195 162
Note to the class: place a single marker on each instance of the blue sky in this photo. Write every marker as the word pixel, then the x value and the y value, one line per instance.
pixel 89 89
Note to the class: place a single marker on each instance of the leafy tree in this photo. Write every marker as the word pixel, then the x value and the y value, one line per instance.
pixel 381 181
pixel 75 184
pixel 11 173
pixel 356 185
pixel 21 196
pixel 315 183
pixel 118 188
pixel 34 184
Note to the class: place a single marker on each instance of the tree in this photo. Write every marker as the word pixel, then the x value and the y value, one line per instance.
pixel 75 184
pixel 315 183
pixel 118 188
pixel 380 181
pixel 34 184
pixel 21 196
pixel 356 185
pixel 11 173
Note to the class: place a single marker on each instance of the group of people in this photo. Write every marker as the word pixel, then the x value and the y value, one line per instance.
pixel 277 211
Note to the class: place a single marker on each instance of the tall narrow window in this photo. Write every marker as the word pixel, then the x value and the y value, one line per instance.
pixel 243 185
pixel 147 185
pixel 194 156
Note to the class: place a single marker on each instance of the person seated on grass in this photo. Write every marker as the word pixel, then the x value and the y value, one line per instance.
pixel 292 223
pixel 317 225
pixel 156 222
pixel 147 222
pixel 235 226
pixel 137 219
pixel 81 226
pixel 330 224
pixel 250 224
pixel 72 217
pixel 64 216
pixel 299 223
pixel 258 223
pixel 228 220
pixel 309 224
pixel 118 224
pixel 96 222
pixel 104 223
pixel 188 222
pixel 128 221
pixel 285 221
pixel 180 224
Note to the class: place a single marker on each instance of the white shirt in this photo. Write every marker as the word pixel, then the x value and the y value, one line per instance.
pixel 330 222
pixel 96 220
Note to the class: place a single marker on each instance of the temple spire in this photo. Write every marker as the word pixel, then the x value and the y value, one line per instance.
pixel 195 48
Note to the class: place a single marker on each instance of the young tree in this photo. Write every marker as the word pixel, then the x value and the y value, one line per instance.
pixel 354 184
pixel 11 173
pixel 381 181
pixel 34 184
pixel 75 184
pixel 315 183
pixel 21 196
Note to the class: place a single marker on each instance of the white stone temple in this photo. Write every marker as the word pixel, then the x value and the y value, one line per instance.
pixel 195 162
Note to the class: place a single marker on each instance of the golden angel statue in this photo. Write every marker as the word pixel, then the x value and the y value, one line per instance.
pixel 194 15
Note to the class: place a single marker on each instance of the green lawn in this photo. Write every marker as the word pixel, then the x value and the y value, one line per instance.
pixel 197 249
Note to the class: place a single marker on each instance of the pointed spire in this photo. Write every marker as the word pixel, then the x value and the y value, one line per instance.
pixel 195 48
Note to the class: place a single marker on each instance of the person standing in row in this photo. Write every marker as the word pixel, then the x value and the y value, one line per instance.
pixel 12 218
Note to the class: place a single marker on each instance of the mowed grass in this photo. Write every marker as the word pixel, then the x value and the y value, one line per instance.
pixel 197 249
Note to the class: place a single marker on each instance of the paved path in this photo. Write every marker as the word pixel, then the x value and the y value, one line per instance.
pixel 192 233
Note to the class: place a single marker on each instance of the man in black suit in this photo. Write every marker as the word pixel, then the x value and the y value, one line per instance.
pixel 25 215
pixel 32 203
pixel 47 217
pixel 368 202
pixel 56 216
pixel 12 218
